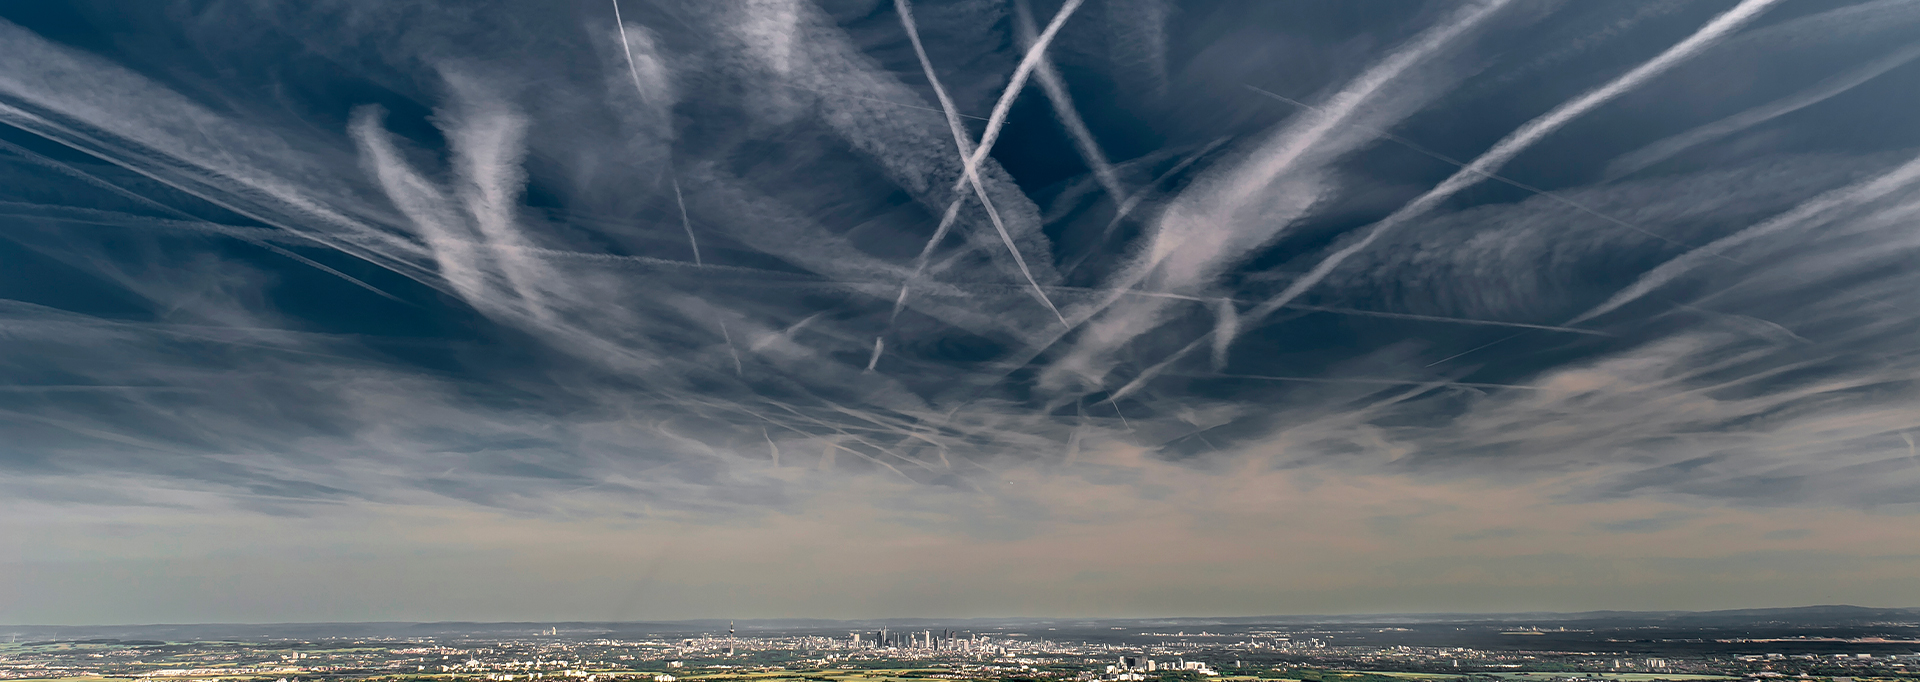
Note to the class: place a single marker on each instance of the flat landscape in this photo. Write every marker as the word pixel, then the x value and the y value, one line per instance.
pixel 1820 645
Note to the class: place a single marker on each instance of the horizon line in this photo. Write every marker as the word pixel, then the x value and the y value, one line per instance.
pixel 1439 616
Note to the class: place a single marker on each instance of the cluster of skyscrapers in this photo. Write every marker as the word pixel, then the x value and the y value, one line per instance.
pixel 945 640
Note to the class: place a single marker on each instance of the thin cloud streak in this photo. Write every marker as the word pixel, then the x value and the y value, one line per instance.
pixel 674 280
pixel 969 161
pixel 1526 135
pixel 1896 179
pixel 1667 148
pixel 1063 110
pixel 1501 152
pixel 1201 230
pixel 1490 175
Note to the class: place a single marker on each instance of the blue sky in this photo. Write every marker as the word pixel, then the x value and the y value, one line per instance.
pixel 412 310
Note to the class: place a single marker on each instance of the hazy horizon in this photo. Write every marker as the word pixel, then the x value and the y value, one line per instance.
pixel 778 622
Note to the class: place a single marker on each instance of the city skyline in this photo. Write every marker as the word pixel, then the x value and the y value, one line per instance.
pixel 1828 644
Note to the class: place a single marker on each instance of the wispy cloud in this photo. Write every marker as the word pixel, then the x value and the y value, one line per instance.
pixel 973 154
pixel 1871 190
pixel 1524 137
pixel 1217 219
pixel 606 276
pixel 1491 160
pixel 1666 148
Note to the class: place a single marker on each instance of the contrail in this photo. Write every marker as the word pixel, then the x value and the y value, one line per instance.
pixel 1765 329
pixel 1234 188
pixel 674 178
pixel 34 388
pixel 970 163
pixel 1361 380
pixel 1410 144
pixel 684 221
pixel 680 201
pixel 1134 200
pixel 832 446
pixel 1192 228
pixel 879 345
pixel 998 118
pixel 1204 228
pixel 771 446
pixel 102 183
pixel 738 370
pixel 324 268
pixel 1056 89
pixel 843 432
pixel 877 287
pixel 1470 351
pixel 1149 373
pixel 1503 151
pixel 960 140
pixel 628 48
pixel 634 71
pixel 947 107
pixel 1666 272
pixel 786 334
pixel 264 200
pixel 1524 137
pixel 1820 92
pixel 1337 310
pixel 1442 318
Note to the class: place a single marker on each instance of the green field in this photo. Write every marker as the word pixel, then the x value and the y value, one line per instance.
pixel 1542 676
pixel 830 675
pixel 1622 677
pixel 1408 676
pixel 695 675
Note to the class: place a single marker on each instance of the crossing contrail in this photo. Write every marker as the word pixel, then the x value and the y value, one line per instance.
pixel 1666 272
pixel 1503 151
pixel 1528 134
pixel 971 162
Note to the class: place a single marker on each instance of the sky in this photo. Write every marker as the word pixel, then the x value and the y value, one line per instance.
pixel 613 310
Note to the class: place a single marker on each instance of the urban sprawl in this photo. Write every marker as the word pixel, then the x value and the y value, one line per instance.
pixel 904 655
